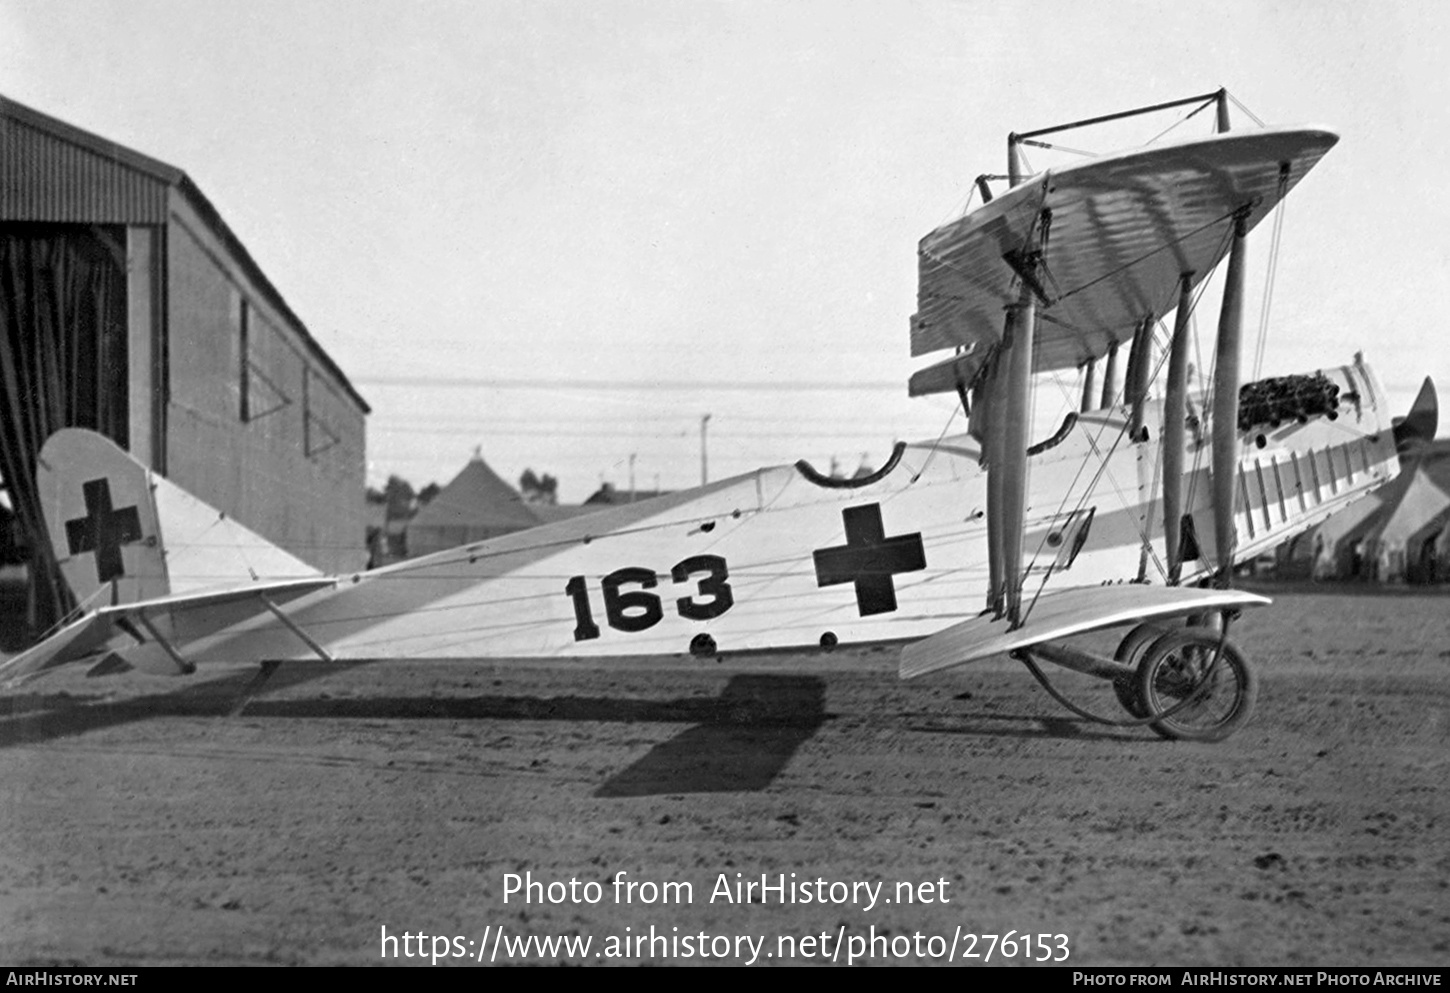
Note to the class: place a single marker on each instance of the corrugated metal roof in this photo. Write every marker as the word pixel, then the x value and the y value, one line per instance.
pixel 51 171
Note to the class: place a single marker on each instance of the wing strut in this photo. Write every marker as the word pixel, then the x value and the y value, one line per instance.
pixel 1226 402
pixel 1017 378
pixel 1089 370
pixel 996 407
pixel 183 665
pixel 1175 430
pixel 1110 378
pixel 291 626
pixel 1140 365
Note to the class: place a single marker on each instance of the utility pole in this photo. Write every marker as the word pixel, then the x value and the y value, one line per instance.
pixel 704 460
pixel 631 475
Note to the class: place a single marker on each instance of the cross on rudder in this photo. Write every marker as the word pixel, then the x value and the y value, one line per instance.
pixel 103 530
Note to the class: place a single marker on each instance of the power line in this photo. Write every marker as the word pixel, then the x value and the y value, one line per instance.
pixel 759 462
pixel 688 421
pixel 512 432
pixel 631 385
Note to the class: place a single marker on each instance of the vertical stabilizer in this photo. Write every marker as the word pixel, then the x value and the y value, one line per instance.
pixel 101 515
pixel 121 533
pixel 207 550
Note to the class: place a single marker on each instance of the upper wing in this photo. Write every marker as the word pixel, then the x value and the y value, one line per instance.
pixel 1117 233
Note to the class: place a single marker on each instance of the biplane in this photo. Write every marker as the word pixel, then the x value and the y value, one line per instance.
pixel 1131 514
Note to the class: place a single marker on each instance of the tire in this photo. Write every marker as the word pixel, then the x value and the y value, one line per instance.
pixel 1129 650
pixel 1133 643
pixel 1174 670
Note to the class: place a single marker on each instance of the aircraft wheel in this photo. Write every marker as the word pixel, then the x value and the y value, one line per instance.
pixel 1136 640
pixel 1176 668
pixel 1129 650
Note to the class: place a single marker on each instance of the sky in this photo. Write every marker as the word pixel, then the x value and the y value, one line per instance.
pixel 563 233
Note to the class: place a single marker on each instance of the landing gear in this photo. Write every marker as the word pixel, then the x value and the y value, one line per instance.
pixel 1187 683
pixel 1199 682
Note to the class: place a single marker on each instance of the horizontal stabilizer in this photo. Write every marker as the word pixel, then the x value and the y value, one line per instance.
pixel 283 589
pixel 95 630
pixel 74 641
pixel 1062 614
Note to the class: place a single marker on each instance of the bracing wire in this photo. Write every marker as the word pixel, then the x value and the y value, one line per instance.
pixel 1252 116
pixel 1271 277
pixel 1183 119
pixel 931 453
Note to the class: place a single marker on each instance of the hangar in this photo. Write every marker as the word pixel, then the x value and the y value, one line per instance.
pixel 129 307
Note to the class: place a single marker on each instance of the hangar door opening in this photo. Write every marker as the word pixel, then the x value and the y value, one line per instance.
pixel 63 363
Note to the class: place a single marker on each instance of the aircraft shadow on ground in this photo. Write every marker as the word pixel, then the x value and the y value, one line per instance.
pixel 984 725
pixel 738 741
pixel 757 724
pixel 1033 726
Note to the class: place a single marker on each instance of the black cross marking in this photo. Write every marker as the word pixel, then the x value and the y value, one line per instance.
pixel 103 530
pixel 869 559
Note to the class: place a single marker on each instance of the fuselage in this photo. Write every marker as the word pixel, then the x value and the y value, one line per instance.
pixel 779 558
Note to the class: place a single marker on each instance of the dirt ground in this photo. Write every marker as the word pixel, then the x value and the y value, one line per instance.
pixel 142 824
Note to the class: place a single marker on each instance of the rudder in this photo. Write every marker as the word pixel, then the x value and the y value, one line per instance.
pixel 121 533
pixel 100 511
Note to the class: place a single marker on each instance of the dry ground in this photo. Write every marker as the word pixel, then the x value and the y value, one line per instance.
pixel 142 825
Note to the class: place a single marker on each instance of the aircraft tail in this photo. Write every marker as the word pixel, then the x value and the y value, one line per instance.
pixel 1422 420
pixel 122 533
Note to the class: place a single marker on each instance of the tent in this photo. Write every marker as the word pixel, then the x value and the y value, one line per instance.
pixel 1327 551
pixel 1400 534
pixel 475 506
pixel 1394 542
